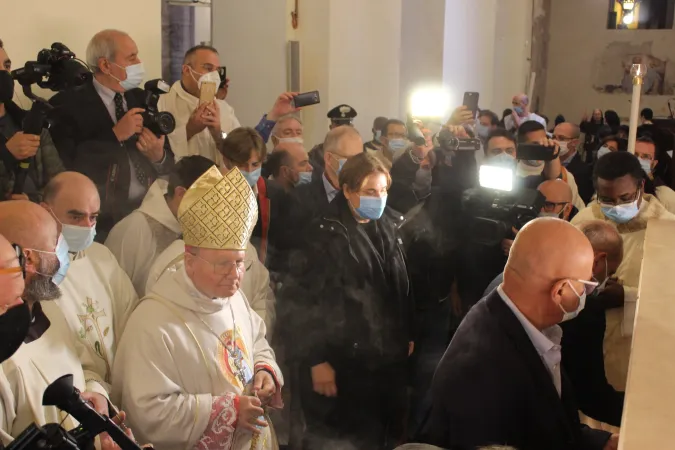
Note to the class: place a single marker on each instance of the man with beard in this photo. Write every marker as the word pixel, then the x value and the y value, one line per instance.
pixel 49 351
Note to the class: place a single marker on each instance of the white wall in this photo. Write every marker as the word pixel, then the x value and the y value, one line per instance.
pixel 422 34
pixel 577 40
pixel 202 24
pixel 251 39
pixel 31 25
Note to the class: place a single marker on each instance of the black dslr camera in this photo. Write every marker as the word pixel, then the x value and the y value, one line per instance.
pixel 56 69
pixel 160 123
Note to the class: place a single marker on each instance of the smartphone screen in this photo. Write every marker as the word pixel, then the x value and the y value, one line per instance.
pixel 471 101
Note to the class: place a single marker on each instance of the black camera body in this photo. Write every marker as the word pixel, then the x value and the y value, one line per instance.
pixel 494 213
pixel 56 69
pixel 449 143
pixel 160 123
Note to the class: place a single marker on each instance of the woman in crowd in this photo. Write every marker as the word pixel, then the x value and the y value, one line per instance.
pixel 355 321
pixel 612 144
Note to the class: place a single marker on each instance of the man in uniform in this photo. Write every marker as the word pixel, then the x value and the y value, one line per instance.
pixel 339 116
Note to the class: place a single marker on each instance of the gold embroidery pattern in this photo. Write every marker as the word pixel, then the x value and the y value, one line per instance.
pixel 91 326
pixel 220 214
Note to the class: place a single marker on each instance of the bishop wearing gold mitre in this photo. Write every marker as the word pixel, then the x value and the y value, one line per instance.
pixel 193 369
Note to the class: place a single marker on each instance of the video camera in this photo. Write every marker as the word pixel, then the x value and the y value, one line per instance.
pixel 56 69
pixel 62 394
pixel 160 123
pixel 495 208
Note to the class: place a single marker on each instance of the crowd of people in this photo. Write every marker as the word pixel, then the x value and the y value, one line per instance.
pixel 214 294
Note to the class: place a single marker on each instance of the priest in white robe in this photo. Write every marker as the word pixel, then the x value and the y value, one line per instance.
pixel 138 239
pixel 97 295
pixel 255 286
pixel 194 369
pixel 198 127
pixel 51 349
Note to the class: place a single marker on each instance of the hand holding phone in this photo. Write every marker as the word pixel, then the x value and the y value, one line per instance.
pixel 471 102
pixel 306 99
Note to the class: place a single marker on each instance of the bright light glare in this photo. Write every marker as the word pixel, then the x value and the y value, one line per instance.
pixel 628 19
pixel 495 177
pixel 430 102
pixel 628 5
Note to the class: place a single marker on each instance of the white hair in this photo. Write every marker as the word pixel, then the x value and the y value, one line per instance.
pixel 102 45
pixel 283 119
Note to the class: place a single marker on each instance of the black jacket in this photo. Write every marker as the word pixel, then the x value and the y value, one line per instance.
pixel 84 135
pixel 491 387
pixel 353 306
pixel 583 175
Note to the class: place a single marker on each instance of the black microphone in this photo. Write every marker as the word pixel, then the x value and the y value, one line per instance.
pixel 32 124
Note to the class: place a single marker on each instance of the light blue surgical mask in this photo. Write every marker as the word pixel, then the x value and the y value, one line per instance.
pixel 78 238
pixel 519 110
pixel 62 251
pixel 135 76
pixel 621 213
pixel 252 177
pixel 398 145
pixel 646 166
pixel 341 163
pixel 371 207
pixel 483 131
pixel 304 178
pixel 603 151
pixel 377 135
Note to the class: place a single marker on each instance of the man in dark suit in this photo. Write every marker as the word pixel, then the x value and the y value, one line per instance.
pixel 500 380
pixel 99 128
pixel 568 136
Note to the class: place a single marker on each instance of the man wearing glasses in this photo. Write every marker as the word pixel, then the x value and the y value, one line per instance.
pixel 619 182
pixel 11 275
pixel 202 119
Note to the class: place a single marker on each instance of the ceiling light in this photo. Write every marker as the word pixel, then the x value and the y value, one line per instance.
pixel 628 5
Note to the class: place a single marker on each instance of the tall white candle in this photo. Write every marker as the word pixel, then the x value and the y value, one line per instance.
pixel 637 71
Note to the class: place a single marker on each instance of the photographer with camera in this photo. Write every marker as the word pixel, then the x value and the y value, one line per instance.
pixel 100 129
pixel 16 146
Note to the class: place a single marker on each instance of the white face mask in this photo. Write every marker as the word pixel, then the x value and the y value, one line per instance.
pixel 582 303
pixel 290 140
pixel 209 77
pixel 564 148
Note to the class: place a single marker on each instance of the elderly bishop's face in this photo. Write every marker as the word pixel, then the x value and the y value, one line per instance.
pixel 215 273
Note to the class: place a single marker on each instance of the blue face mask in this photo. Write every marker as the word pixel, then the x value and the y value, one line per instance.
pixel 519 110
pixel 397 145
pixel 304 178
pixel 135 76
pixel 252 177
pixel 78 238
pixel 64 261
pixel 377 135
pixel 482 131
pixel 621 213
pixel 372 207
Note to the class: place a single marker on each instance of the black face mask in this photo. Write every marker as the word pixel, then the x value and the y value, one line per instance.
pixel 6 86
pixel 14 325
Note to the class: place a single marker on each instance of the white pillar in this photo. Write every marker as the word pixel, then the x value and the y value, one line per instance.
pixel 251 39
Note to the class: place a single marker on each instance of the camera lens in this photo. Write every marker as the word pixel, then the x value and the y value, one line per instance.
pixel 165 122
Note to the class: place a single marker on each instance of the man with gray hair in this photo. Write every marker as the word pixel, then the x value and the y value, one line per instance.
pixel 521 113
pixel 289 129
pixel 100 130
pixel 583 337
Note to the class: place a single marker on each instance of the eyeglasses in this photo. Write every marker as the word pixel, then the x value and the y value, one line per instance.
pixel 552 206
pixel 225 268
pixel 21 268
pixel 610 202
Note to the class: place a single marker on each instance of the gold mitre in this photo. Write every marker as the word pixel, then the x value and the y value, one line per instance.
pixel 218 211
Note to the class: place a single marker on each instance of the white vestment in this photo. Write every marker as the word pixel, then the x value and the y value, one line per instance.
pixel 255 285
pixel 34 366
pixel 182 104
pixel 179 366
pixel 97 298
pixel 139 238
